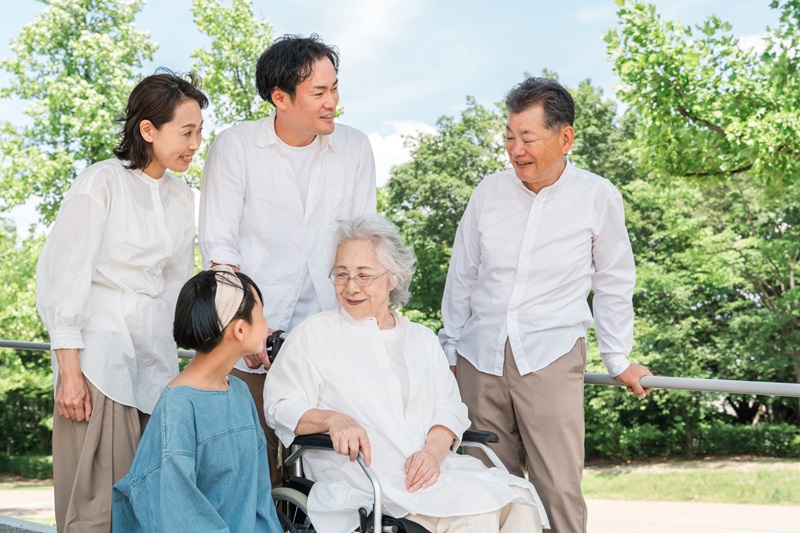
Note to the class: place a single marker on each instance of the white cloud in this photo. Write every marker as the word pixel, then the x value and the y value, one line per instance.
pixel 754 42
pixel 390 150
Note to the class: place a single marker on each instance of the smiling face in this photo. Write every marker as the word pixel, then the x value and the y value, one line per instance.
pixel 175 143
pixel 536 152
pixel 358 257
pixel 310 112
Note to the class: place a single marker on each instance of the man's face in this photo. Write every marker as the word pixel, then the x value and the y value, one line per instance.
pixel 310 112
pixel 536 153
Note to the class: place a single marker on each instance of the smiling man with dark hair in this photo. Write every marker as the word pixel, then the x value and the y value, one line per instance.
pixel 274 188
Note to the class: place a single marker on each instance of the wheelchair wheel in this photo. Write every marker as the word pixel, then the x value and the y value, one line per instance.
pixel 291 506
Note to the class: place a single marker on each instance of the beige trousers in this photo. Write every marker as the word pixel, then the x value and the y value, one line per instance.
pixel 255 382
pixel 539 419
pixel 513 518
pixel 88 458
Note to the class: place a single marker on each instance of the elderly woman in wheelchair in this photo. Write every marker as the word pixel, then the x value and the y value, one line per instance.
pixel 379 385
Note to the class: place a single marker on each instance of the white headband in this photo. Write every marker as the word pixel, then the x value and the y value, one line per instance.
pixel 229 295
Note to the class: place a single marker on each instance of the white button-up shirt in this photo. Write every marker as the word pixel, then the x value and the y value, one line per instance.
pixel 109 274
pixel 336 362
pixel 523 265
pixel 252 214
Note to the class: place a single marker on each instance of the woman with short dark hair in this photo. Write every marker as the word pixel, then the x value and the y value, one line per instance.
pixel 106 284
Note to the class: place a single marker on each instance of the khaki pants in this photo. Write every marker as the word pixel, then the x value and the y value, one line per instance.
pixel 89 458
pixel 255 382
pixel 539 419
pixel 513 518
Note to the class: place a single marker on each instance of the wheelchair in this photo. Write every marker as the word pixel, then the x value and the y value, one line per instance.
pixel 291 500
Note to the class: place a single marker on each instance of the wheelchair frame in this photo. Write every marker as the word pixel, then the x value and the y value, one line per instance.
pixel 304 443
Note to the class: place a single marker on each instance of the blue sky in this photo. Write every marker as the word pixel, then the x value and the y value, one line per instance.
pixel 404 63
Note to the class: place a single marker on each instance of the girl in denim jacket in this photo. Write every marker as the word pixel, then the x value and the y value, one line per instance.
pixel 202 461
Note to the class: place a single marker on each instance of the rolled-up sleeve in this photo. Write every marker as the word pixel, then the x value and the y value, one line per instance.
pixel 292 387
pixel 222 202
pixel 448 409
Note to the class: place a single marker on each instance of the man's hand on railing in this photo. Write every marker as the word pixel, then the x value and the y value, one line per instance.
pixel 631 379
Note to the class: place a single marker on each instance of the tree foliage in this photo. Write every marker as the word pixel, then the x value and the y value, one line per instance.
pixel 73 66
pixel 228 68
pixel 707 106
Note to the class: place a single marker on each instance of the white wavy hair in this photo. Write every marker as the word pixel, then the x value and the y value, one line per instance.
pixel 388 245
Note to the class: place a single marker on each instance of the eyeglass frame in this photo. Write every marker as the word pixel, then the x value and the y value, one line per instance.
pixel 355 278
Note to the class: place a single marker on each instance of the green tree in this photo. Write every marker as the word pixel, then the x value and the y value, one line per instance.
pixel 427 196
pixel 720 123
pixel 707 106
pixel 74 66
pixel 228 67
pixel 26 384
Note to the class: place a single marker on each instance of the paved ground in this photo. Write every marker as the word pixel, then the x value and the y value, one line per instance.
pixel 604 516
pixel 662 517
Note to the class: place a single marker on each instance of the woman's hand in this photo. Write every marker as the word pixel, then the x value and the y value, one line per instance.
pixel 422 470
pixel 349 437
pixel 73 400
pixel 422 467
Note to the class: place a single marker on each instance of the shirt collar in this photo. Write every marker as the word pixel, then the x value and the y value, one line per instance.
pixel 268 137
pixel 400 321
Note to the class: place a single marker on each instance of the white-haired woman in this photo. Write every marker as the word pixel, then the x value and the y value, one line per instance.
pixel 380 384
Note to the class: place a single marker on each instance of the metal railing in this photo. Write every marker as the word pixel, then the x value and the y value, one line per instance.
pixel 767 388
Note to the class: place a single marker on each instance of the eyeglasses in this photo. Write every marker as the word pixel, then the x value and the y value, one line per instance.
pixel 364 280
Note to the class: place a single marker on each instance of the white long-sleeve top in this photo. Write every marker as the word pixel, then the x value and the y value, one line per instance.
pixel 252 214
pixel 523 265
pixel 335 362
pixel 108 278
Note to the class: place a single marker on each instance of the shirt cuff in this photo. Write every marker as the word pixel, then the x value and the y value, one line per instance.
pixel 223 256
pixel 454 424
pixel 450 352
pixel 290 413
pixel 66 338
pixel 616 363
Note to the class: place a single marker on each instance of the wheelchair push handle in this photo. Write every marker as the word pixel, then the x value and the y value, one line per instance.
pixel 274 343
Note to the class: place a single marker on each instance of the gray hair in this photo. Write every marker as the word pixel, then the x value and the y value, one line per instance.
pixel 557 103
pixel 388 245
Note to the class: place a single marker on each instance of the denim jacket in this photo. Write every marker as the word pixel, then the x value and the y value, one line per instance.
pixel 201 466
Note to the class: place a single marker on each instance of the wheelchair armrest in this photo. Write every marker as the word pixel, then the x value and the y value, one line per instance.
pixel 315 440
pixel 476 435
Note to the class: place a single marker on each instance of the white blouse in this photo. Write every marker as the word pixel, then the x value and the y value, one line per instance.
pixel 109 274
pixel 333 361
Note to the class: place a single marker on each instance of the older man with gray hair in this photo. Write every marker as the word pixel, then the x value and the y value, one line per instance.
pixel 534 241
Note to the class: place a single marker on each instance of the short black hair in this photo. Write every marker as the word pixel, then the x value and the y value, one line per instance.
pixel 155 98
pixel 196 325
pixel 557 103
pixel 289 62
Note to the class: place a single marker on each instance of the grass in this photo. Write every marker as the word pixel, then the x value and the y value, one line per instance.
pixel 759 481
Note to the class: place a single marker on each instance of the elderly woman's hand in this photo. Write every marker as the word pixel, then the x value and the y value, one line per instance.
pixel 422 467
pixel 349 437
pixel 422 470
